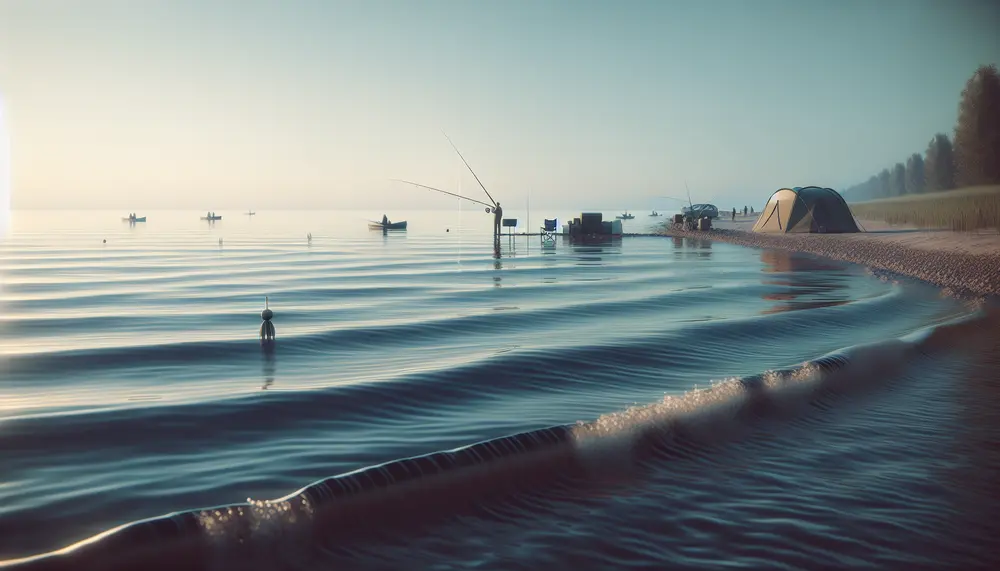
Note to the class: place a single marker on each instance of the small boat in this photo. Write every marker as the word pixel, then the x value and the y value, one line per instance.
pixel 127 219
pixel 655 213
pixel 390 226
pixel 250 213
pixel 625 216
pixel 211 218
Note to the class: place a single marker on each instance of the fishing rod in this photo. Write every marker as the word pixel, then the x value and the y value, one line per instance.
pixel 470 168
pixel 677 199
pixel 489 207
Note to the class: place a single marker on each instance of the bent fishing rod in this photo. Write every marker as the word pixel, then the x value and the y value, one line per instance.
pixel 470 168
pixel 489 207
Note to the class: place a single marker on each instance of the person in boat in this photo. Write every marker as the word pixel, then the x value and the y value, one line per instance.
pixel 497 217
pixel 385 220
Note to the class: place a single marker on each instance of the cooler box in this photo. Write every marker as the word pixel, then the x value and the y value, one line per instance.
pixel 591 222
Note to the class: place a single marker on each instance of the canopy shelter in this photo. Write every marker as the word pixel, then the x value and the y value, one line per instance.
pixel 809 209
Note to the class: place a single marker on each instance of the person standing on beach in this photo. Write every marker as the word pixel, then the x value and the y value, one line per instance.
pixel 734 214
pixel 497 217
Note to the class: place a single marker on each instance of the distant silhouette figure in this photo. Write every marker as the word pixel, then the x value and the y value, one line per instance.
pixel 734 213
pixel 744 211
pixel 497 218
pixel 385 220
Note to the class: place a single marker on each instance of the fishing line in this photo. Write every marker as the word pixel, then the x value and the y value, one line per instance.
pixel 488 206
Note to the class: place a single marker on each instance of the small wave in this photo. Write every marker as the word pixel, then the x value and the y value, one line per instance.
pixel 417 333
pixel 679 427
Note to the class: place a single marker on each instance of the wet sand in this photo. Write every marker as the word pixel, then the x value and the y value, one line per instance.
pixel 963 263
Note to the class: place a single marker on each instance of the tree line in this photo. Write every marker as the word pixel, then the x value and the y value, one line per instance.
pixel 970 158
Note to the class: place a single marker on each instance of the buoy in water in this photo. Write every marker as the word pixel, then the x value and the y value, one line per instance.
pixel 266 327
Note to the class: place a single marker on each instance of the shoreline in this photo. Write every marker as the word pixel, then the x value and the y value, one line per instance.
pixel 963 264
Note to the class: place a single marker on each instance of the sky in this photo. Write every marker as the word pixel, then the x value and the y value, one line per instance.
pixel 219 104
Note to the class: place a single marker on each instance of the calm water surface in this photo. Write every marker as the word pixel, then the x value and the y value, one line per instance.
pixel 670 400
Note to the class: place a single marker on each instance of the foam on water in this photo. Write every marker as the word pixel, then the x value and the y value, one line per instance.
pixel 374 497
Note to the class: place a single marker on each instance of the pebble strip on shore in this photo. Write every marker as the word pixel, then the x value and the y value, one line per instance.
pixel 961 274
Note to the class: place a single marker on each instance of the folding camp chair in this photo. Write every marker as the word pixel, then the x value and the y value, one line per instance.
pixel 548 233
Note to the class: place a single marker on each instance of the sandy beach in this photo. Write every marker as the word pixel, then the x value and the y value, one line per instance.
pixel 963 263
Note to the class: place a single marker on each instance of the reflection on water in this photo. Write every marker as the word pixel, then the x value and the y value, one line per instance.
pixel 497 264
pixel 551 264
pixel 805 281
pixel 267 365
pixel 591 251
pixel 692 247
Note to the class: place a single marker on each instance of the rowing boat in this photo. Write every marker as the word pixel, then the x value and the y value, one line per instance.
pixel 211 218
pixel 125 219
pixel 390 226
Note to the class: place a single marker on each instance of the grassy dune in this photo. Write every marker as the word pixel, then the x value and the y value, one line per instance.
pixel 964 209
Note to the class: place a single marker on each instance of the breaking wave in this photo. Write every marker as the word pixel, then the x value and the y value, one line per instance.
pixel 412 492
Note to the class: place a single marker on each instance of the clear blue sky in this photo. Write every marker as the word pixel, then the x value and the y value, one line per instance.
pixel 214 104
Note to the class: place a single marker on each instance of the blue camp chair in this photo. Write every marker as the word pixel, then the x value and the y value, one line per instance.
pixel 549 231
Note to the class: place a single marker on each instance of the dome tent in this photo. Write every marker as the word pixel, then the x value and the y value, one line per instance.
pixel 809 209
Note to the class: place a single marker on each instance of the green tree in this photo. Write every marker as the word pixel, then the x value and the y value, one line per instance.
pixel 863 191
pixel 897 180
pixel 872 186
pixel 883 183
pixel 939 164
pixel 977 133
pixel 915 174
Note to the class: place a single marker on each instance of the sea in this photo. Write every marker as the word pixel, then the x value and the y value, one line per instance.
pixel 438 400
